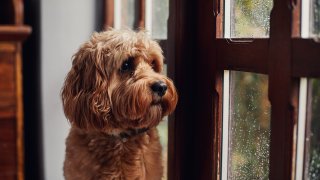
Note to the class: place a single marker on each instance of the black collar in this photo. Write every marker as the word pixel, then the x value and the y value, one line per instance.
pixel 131 133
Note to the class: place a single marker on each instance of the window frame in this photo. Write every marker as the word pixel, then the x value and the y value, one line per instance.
pixel 284 56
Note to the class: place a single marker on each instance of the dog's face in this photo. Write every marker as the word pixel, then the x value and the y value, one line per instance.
pixel 116 82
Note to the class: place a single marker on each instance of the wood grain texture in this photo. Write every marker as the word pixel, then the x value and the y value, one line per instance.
pixel 18 11
pixel 296 19
pixel 7 82
pixel 8 147
pixel 14 33
pixel 280 91
pixel 11 118
pixel 181 68
pixel 306 58
pixel 19 113
pixel 243 55
pixel 141 14
pixel 108 13
pixel 207 94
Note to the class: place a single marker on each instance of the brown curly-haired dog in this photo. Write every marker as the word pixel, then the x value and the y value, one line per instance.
pixel 114 96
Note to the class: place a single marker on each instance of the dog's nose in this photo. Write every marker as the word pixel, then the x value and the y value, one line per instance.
pixel 159 87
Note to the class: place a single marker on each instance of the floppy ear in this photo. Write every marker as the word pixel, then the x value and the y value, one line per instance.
pixel 84 94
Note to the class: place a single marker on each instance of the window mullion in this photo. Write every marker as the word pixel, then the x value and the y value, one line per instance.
pixel 280 91
pixel 108 13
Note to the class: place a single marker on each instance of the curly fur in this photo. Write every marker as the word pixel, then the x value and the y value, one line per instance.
pixel 101 101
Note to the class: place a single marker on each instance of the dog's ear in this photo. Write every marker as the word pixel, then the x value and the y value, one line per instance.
pixel 84 94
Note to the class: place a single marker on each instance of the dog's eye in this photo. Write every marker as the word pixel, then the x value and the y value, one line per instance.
pixel 154 65
pixel 127 65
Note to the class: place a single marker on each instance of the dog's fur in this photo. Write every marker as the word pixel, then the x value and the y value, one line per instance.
pixel 104 99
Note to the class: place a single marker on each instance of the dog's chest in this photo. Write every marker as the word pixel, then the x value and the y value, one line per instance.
pixel 138 158
pixel 119 159
pixel 102 157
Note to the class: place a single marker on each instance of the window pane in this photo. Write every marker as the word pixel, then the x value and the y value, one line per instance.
pixel 160 14
pixel 163 133
pixel 128 14
pixel 316 17
pixel 249 126
pixel 247 18
pixel 312 160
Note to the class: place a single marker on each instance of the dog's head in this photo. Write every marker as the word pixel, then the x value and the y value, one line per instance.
pixel 116 82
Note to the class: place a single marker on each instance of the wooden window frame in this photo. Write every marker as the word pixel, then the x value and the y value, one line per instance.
pixel 284 56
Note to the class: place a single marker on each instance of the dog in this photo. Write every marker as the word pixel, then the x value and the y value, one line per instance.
pixel 114 96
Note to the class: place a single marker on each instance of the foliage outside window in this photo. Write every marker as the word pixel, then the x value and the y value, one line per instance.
pixel 249 129
pixel 312 163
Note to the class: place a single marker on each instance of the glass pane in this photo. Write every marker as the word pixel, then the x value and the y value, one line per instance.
pixel 249 126
pixel 128 13
pixel 160 14
pixel 312 160
pixel 248 18
pixel 163 133
pixel 316 17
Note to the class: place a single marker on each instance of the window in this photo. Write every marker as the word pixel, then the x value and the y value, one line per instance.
pixel 211 59
pixel 308 146
pixel 246 126
pixel 247 18
pixel 246 108
pixel 312 147
pixel 308 151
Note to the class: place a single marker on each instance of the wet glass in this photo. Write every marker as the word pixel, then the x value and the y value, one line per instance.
pixel 249 126
pixel 163 133
pixel 249 18
pixel 160 14
pixel 312 146
pixel 128 11
pixel 315 15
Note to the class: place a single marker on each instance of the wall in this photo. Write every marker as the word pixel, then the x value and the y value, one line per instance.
pixel 64 26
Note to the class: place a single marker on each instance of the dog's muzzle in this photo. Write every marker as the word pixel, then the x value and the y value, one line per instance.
pixel 159 88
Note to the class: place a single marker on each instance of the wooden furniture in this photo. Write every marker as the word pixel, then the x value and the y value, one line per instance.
pixel 12 33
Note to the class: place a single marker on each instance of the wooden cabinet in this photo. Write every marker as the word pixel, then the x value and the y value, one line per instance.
pixel 12 33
